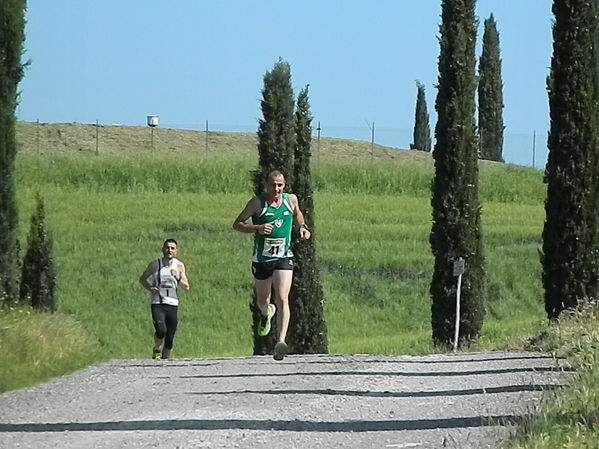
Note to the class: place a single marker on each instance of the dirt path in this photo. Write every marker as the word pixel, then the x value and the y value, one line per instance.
pixel 322 401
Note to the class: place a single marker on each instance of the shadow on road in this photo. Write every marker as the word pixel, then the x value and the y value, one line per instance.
pixel 292 426
pixel 393 394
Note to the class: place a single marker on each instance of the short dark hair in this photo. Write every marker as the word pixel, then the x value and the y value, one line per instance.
pixel 170 241
pixel 274 174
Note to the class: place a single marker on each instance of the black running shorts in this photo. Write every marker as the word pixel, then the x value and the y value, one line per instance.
pixel 265 270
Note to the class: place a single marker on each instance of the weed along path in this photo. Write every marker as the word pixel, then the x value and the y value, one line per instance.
pixel 472 400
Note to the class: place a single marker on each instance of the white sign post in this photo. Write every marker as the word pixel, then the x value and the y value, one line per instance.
pixel 458 270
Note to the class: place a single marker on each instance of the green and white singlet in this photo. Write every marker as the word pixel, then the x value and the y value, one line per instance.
pixel 277 245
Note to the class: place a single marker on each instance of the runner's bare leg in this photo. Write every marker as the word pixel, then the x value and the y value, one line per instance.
pixel 281 280
pixel 263 289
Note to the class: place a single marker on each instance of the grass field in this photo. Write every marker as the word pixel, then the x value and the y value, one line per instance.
pixel 110 212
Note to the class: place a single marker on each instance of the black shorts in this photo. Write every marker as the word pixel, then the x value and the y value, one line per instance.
pixel 265 270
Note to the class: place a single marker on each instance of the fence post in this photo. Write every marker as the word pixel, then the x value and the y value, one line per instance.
pixel 372 142
pixel 318 129
pixel 534 141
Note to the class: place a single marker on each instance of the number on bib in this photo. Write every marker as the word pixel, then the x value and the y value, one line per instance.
pixel 273 247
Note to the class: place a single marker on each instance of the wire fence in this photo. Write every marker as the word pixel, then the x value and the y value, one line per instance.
pixel 526 149
pixel 521 148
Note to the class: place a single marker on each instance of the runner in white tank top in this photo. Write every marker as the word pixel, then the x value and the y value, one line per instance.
pixel 162 278
pixel 166 278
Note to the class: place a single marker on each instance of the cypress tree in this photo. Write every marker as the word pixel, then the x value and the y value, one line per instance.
pixel 307 328
pixel 12 35
pixel 456 229
pixel 276 131
pixel 38 279
pixel 422 130
pixel 276 143
pixel 570 231
pixel 490 95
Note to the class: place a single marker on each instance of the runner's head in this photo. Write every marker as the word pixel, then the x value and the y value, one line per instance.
pixel 169 248
pixel 275 184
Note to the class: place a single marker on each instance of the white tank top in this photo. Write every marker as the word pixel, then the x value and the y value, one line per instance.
pixel 166 280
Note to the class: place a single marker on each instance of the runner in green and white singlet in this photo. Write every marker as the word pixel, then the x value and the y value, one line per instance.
pixel 276 245
pixel 273 214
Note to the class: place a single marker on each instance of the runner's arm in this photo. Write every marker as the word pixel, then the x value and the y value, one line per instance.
pixel 251 208
pixel 183 282
pixel 143 279
pixel 298 218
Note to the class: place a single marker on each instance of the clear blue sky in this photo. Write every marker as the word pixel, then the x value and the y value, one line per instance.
pixel 192 61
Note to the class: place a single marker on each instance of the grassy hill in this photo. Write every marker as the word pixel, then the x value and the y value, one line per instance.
pixel 349 166
pixel 372 226
pixel 76 138
pixel 109 211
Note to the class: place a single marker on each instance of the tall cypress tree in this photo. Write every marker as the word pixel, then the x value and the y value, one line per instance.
pixel 570 231
pixel 490 95
pixel 12 35
pixel 456 230
pixel 276 143
pixel 276 131
pixel 307 328
pixel 38 279
pixel 422 130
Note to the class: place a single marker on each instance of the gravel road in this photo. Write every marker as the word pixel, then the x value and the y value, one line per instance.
pixel 471 400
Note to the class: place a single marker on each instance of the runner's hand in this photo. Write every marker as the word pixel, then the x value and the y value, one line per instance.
pixel 265 229
pixel 304 233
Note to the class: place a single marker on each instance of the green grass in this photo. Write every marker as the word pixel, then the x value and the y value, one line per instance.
pixel 36 347
pixel 110 214
pixel 570 418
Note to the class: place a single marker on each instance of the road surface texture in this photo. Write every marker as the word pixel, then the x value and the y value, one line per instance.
pixel 472 400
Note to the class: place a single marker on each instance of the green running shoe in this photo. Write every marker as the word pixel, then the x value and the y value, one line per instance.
pixel 280 350
pixel 264 328
pixel 156 354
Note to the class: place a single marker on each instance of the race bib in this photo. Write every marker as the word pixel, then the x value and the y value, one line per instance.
pixel 274 247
